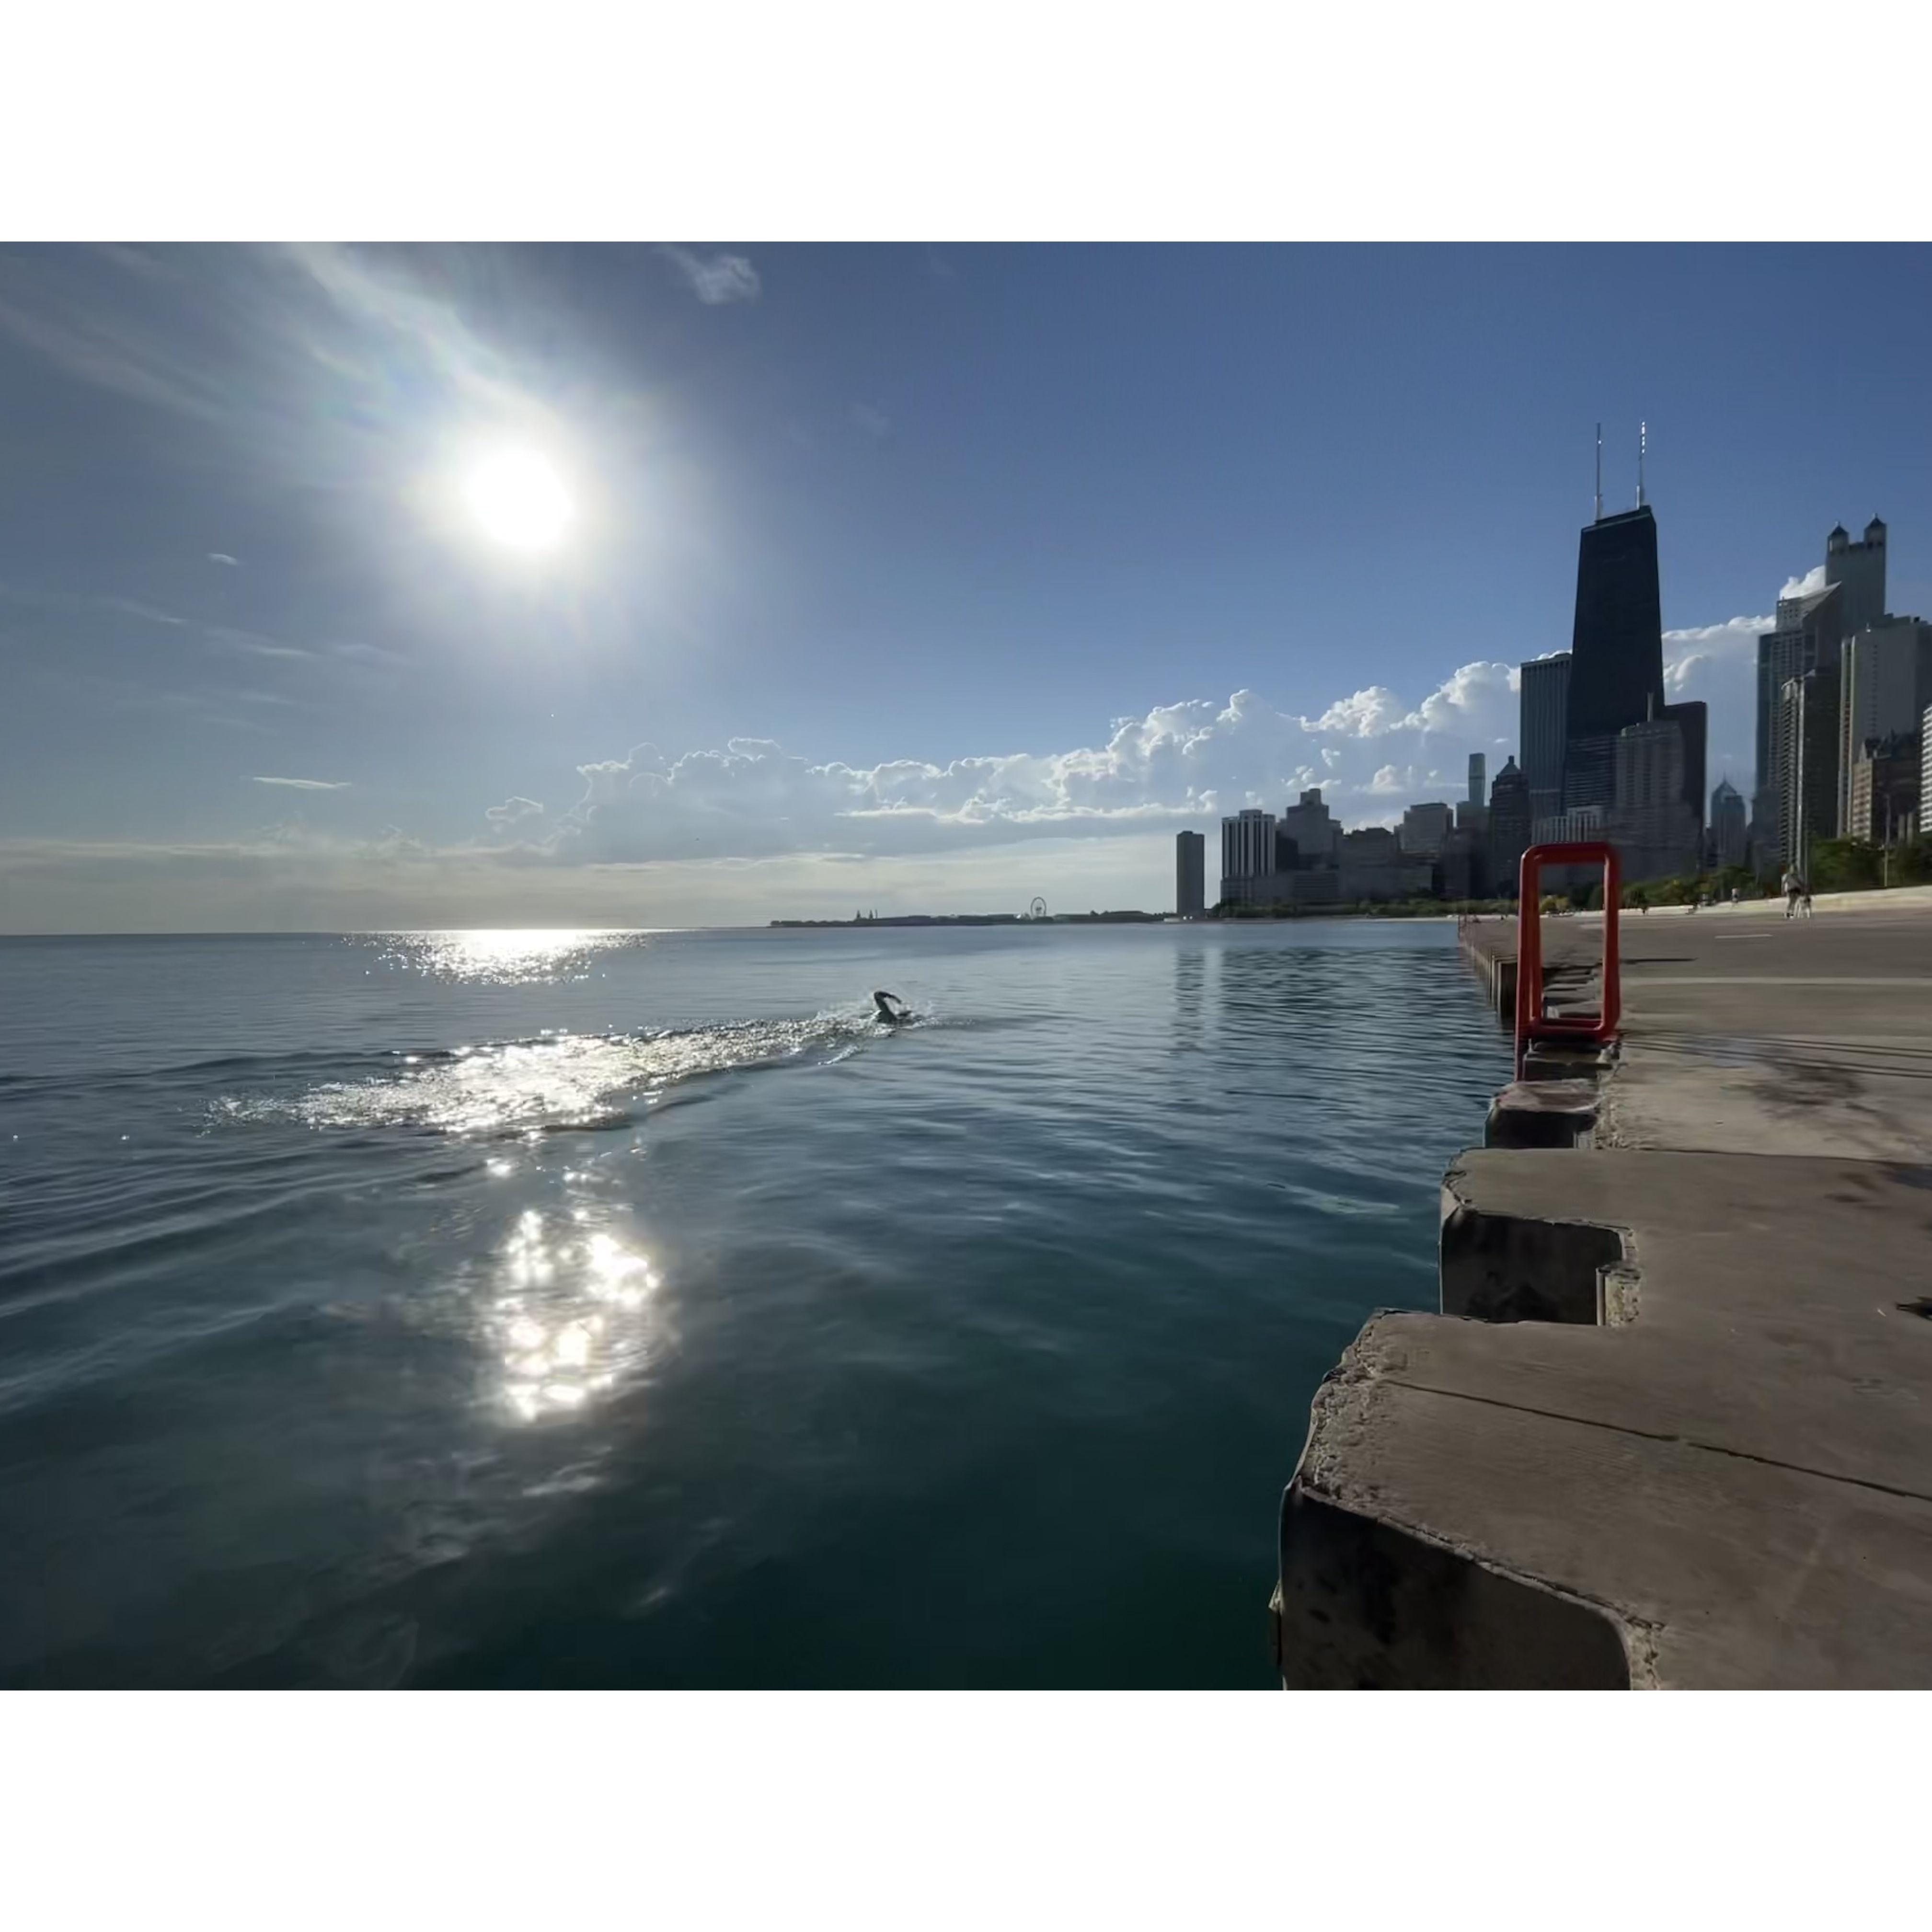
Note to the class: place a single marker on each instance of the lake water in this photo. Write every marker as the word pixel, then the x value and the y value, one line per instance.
pixel 540 1309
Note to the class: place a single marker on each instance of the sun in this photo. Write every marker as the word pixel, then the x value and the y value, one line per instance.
pixel 519 498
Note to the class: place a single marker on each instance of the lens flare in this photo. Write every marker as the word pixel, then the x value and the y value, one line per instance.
pixel 520 499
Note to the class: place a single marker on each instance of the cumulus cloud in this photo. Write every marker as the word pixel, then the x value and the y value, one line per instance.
pixel 1372 752
pixel 514 811
pixel 1366 714
pixel 714 279
pixel 1478 702
pixel 1718 664
pixel 752 830
pixel 1814 579
pixel 1178 764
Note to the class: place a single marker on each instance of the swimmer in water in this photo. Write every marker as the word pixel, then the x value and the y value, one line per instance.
pixel 883 1001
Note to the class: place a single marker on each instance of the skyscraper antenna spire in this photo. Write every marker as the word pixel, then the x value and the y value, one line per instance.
pixel 1599 472
pixel 1642 440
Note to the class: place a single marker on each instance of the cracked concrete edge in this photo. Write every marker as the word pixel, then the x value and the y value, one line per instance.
pixel 1612 1131
pixel 1639 1637
pixel 1618 1283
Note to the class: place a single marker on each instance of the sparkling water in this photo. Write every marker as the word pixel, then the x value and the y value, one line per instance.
pixel 586 1308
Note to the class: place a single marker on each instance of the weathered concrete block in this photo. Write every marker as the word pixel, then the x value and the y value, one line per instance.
pixel 1544 1114
pixel 1507 1267
pixel 1364 1606
pixel 1567 1060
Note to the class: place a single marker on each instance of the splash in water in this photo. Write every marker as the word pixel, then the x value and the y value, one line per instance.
pixel 566 1081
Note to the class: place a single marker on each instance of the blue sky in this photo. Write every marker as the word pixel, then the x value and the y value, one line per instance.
pixel 923 576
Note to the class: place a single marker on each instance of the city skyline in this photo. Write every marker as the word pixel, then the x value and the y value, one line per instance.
pixel 1001 637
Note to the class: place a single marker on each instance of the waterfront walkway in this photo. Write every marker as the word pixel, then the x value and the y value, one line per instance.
pixel 1674 1425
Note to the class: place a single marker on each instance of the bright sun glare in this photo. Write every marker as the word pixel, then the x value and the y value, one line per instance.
pixel 518 497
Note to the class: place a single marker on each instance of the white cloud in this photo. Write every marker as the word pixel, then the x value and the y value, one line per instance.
pixel 714 279
pixel 222 556
pixel 1367 714
pixel 409 313
pixel 515 811
pixel 752 830
pixel 252 643
pixel 1718 663
pixel 1814 579
pixel 872 420
pixel 1181 763
pixel 1477 702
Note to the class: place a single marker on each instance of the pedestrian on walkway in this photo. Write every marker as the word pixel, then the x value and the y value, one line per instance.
pixel 1804 894
pixel 1793 885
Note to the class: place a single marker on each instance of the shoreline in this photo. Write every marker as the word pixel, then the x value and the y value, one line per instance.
pixel 1669 1426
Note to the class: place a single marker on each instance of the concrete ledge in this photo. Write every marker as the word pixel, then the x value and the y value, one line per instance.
pixel 1734 1469
pixel 1544 1114
pixel 1489 946
pixel 1716 1570
pixel 1522 1267
pixel 1567 1060
pixel 1364 1606
pixel 1689 1440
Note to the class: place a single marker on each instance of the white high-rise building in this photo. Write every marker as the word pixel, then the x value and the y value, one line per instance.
pixel 1811 627
pixel 1247 856
pixel 1885 683
pixel 1925 765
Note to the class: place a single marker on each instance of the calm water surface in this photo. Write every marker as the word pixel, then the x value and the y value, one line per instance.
pixel 511 1309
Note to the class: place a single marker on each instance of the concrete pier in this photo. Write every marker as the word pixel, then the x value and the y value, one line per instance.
pixel 1674 1426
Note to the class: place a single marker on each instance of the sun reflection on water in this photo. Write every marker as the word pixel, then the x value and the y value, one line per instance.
pixel 508 956
pixel 555 1080
pixel 575 1313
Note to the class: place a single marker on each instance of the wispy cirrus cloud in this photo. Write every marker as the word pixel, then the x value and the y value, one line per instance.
pixel 220 637
pixel 389 307
pixel 714 279
pixel 97 344
pixel 303 785
pixel 873 420
pixel 72 600
pixel 254 643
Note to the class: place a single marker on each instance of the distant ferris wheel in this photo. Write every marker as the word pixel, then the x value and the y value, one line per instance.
pixel 1037 910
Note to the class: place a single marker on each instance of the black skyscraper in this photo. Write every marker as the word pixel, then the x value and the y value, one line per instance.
pixel 1616 650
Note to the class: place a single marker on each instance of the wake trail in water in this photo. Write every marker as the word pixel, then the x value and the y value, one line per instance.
pixel 556 1082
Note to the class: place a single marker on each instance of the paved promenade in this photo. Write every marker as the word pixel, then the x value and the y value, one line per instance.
pixel 1674 1425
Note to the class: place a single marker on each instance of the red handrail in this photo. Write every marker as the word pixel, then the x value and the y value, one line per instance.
pixel 1531 1022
